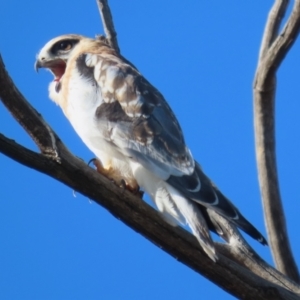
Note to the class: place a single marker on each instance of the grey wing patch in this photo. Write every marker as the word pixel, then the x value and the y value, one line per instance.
pixel 112 112
pixel 85 70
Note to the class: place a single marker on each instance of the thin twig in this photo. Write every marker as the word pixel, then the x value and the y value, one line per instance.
pixel 273 50
pixel 276 14
pixel 108 25
pixel 270 62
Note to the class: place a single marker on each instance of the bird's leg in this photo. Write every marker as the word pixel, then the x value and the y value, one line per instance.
pixel 114 176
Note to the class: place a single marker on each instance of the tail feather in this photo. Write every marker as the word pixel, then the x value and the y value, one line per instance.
pixel 177 210
pixel 241 222
pixel 207 194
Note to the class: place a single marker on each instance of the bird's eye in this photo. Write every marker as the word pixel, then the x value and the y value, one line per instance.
pixel 64 46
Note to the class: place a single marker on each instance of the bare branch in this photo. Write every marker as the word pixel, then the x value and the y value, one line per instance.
pixel 272 59
pixel 240 251
pixel 36 127
pixel 130 209
pixel 244 280
pixel 276 14
pixel 272 53
pixel 142 218
pixel 108 25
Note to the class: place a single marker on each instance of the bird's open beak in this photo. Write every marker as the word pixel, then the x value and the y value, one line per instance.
pixel 56 66
pixel 37 65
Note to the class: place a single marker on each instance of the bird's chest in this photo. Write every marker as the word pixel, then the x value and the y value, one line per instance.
pixel 82 98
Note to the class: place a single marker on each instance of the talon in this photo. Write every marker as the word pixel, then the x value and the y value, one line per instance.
pixel 123 184
pixel 99 167
pixel 91 161
pixel 140 193
pixel 116 178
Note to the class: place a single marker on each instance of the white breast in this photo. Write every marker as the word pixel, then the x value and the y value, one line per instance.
pixel 83 99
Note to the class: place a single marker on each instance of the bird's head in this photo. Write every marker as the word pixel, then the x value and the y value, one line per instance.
pixel 56 53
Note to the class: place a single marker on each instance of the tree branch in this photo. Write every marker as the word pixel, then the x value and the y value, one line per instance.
pixel 35 126
pixel 125 206
pixel 108 25
pixel 144 219
pixel 248 282
pixel 273 50
pixel 240 251
pixel 276 14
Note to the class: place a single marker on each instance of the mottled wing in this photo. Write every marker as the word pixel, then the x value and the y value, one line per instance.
pixel 135 117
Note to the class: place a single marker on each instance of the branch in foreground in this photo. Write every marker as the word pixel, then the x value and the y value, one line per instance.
pixel 240 251
pixel 145 220
pixel 18 106
pixel 131 210
pixel 135 213
pixel 273 50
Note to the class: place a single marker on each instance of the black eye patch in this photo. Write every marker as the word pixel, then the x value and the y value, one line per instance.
pixel 64 46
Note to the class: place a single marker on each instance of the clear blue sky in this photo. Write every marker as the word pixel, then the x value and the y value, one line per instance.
pixel 202 56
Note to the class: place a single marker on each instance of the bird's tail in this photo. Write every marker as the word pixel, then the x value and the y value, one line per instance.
pixel 241 222
pixel 193 217
pixel 199 188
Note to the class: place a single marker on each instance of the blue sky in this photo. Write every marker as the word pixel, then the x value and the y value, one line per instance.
pixel 202 56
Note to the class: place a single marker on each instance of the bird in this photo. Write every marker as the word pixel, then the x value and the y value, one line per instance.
pixel 134 134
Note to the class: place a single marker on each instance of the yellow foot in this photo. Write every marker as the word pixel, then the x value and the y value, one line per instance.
pixel 116 177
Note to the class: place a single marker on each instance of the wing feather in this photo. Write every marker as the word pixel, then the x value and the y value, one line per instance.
pixel 135 117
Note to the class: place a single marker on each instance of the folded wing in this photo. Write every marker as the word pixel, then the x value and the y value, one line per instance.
pixel 136 118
